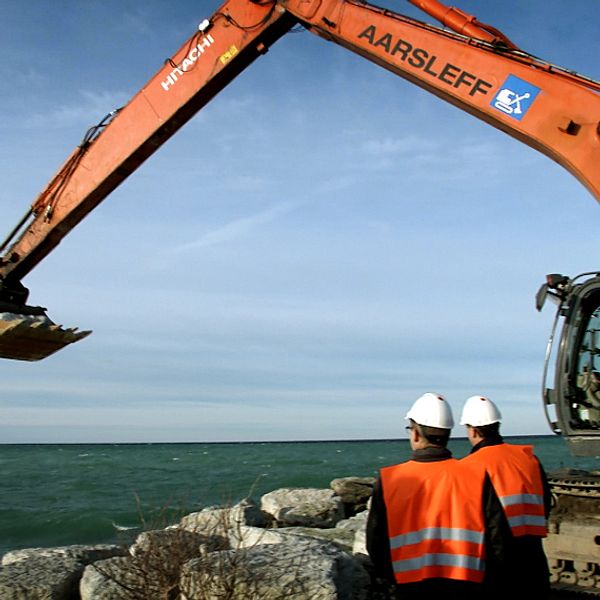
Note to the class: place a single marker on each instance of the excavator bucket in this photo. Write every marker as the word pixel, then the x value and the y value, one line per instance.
pixel 33 337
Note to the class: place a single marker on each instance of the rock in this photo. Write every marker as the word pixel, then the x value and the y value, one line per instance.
pixel 343 539
pixel 160 548
pixel 246 512
pixel 304 570
pixel 102 581
pixel 306 507
pixel 80 553
pixel 49 573
pixel 152 570
pixel 247 537
pixel 355 523
pixel 112 579
pixel 308 556
pixel 354 491
pixel 360 542
pixel 40 578
pixel 348 535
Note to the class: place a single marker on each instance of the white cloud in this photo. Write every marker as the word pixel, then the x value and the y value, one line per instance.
pixel 135 22
pixel 245 183
pixel 320 229
pixel 410 144
pixel 89 107
pixel 236 229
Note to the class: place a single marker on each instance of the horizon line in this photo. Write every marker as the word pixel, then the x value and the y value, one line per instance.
pixel 320 441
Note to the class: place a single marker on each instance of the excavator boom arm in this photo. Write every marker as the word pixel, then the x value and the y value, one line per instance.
pixel 551 110
pixel 235 36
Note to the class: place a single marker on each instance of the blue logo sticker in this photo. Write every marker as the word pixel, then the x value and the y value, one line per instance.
pixel 515 97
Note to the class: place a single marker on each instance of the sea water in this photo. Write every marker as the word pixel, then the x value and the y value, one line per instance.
pixel 53 495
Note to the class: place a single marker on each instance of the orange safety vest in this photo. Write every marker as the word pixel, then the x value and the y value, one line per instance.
pixel 435 520
pixel 516 477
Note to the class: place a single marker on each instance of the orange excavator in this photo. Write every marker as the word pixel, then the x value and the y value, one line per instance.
pixel 466 63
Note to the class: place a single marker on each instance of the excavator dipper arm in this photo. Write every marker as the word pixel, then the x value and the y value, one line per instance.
pixel 548 108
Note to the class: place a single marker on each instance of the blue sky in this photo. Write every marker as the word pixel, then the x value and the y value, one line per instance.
pixel 319 246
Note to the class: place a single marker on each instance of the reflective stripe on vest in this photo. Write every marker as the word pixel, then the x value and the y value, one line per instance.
pixel 516 477
pixel 437 533
pixel 522 499
pixel 438 560
pixel 440 564
pixel 435 520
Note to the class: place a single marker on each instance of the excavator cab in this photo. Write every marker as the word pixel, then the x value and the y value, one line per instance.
pixel 575 396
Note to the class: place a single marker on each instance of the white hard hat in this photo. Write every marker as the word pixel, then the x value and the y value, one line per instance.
pixel 479 411
pixel 431 410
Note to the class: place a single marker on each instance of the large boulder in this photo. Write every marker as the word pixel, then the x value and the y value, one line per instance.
pixel 171 547
pixel 308 555
pixel 348 535
pixel 112 579
pixel 151 570
pixel 305 507
pixel 81 553
pixel 355 523
pixel 359 546
pixel 246 537
pixel 302 570
pixel 40 578
pixel 222 520
pixel 354 491
pixel 357 527
pixel 49 573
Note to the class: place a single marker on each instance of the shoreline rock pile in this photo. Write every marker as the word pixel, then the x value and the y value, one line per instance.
pixel 296 543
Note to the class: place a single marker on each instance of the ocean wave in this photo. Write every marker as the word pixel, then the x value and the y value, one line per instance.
pixel 124 527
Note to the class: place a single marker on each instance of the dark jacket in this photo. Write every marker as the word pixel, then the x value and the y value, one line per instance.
pixel 379 549
pixel 520 565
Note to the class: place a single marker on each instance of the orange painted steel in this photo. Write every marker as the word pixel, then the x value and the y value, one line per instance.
pixel 239 32
pixel 462 23
pixel 562 121
pixel 544 106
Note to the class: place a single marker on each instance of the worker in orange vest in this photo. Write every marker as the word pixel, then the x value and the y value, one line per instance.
pixel 520 483
pixel 426 530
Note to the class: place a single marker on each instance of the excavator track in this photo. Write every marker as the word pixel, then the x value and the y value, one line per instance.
pixel 573 542
pixel 33 337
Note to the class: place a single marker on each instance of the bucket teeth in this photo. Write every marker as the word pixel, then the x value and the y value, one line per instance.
pixel 27 337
